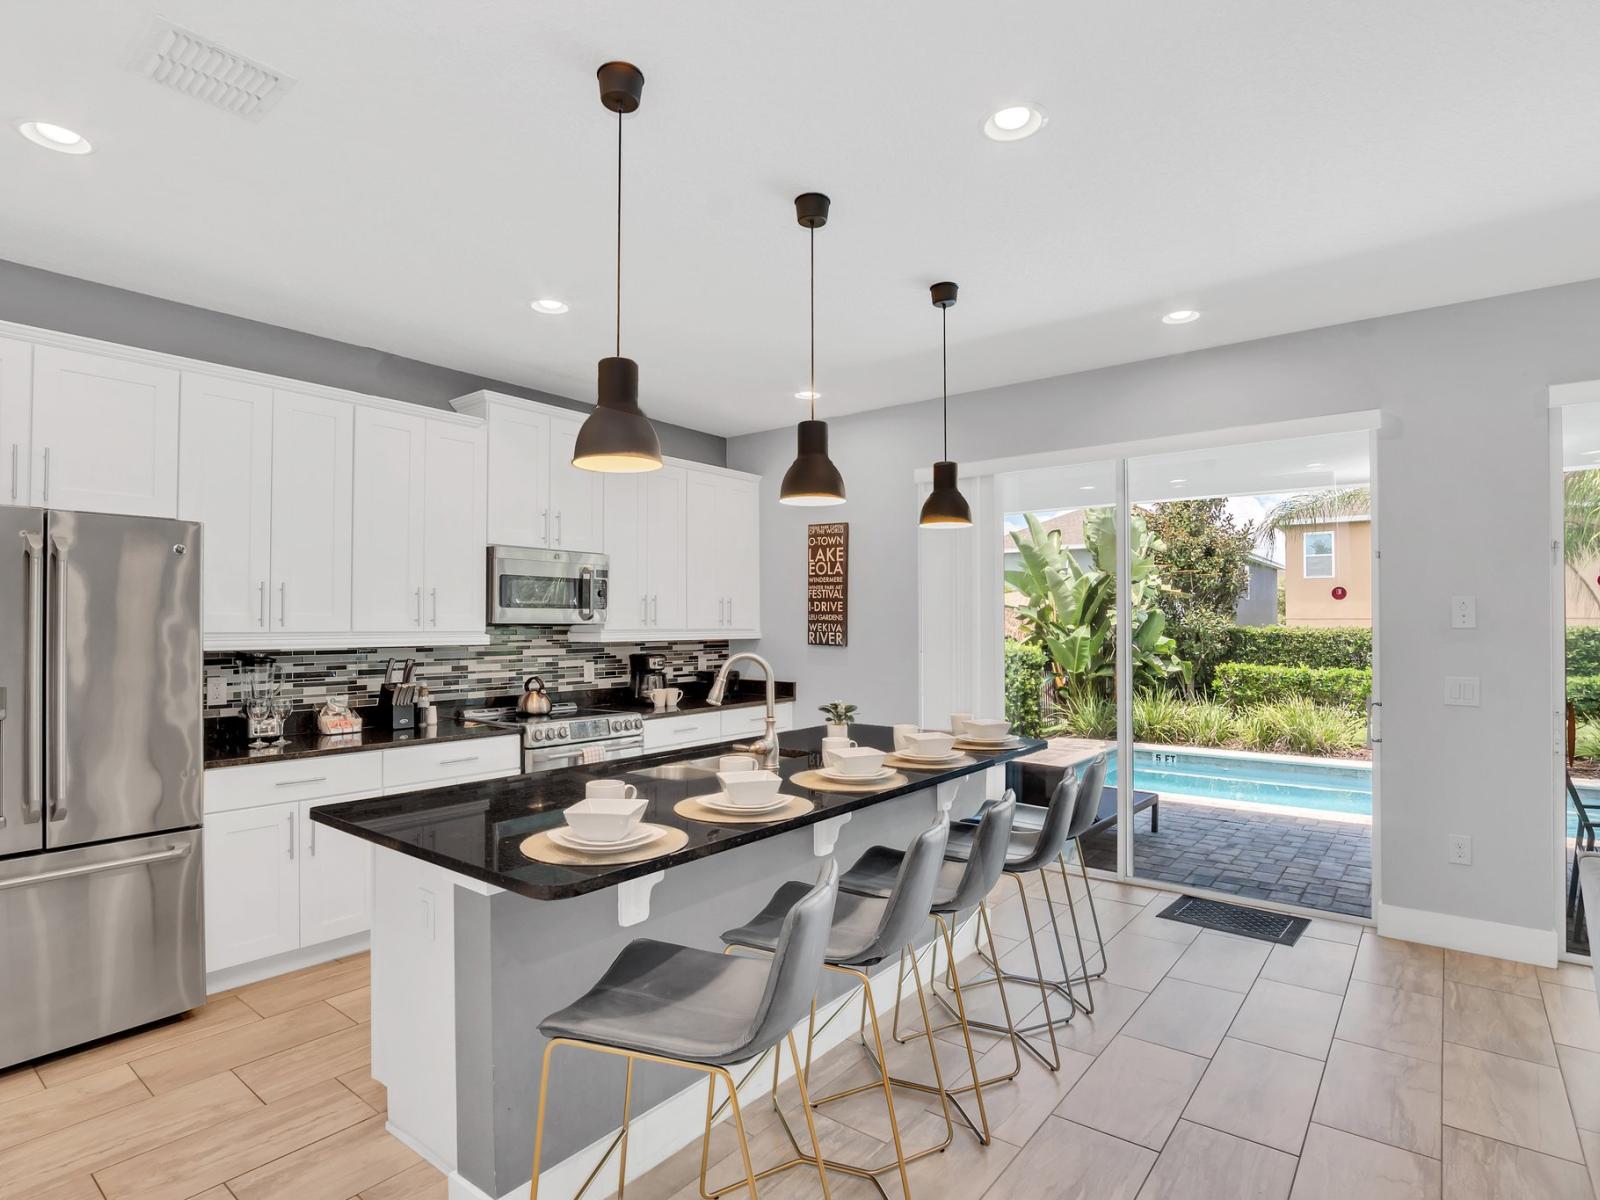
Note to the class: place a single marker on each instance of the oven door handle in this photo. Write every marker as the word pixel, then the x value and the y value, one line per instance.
pixel 586 593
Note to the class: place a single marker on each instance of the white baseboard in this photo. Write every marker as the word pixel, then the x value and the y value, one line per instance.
pixel 1515 942
pixel 282 964
pixel 677 1121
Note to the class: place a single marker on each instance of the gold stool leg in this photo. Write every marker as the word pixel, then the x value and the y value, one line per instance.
pixel 538 1129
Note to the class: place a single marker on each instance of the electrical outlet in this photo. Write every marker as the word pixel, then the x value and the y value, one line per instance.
pixel 1460 849
pixel 216 691
pixel 588 672
pixel 1463 612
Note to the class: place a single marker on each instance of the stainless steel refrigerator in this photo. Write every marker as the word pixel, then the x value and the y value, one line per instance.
pixel 100 776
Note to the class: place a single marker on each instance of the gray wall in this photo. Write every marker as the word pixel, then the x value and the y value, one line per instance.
pixel 33 297
pixel 1462 467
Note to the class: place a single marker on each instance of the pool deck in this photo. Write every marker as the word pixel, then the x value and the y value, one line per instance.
pixel 1250 852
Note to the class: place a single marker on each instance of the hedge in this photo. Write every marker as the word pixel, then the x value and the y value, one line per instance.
pixel 1025 668
pixel 1306 646
pixel 1583 650
pixel 1242 685
pixel 1583 691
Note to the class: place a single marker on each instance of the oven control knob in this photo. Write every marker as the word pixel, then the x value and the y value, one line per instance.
pixel 538 734
pixel 562 732
pixel 638 722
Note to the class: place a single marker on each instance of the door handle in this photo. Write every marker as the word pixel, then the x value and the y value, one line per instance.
pixel 47 474
pixel 261 604
pixel 33 699
pixel 1374 722
pixel 435 592
pixel 291 835
pixel 419 606
pixel 586 593
pixel 138 860
pixel 58 711
pixel 283 605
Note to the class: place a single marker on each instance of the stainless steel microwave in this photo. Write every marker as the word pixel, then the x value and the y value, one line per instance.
pixel 528 586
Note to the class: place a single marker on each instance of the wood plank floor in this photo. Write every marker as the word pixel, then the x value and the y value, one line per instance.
pixel 263 1094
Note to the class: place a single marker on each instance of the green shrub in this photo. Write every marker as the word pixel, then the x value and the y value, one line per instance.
pixel 1583 649
pixel 1203 639
pixel 1086 715
pixel 1302 646
pixel 1243 684
pixel 1208 723
pixel 1300 726
pixel 1583 691
pixel 1588 740
pixel 1158 717
pixel 1025 675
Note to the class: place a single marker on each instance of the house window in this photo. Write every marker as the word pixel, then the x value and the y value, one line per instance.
pixel 1319 555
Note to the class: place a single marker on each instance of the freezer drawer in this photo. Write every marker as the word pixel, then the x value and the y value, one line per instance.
pixel 98 940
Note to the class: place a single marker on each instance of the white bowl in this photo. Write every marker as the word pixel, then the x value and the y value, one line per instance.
pixel 987 730
pixel 749 787
pixel 857 760
pixel 924 744
pixel 605 818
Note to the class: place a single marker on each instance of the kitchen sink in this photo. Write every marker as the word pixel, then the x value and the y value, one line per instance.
pixel 695 769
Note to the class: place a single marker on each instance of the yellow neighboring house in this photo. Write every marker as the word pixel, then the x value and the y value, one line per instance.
pixel 1327 572
pixel 1583 592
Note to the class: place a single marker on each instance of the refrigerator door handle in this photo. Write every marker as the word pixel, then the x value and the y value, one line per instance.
pixel 116 864
pixel 58 711
pixel 33 698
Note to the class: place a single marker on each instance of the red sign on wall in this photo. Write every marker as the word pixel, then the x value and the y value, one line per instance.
pixel 1339 593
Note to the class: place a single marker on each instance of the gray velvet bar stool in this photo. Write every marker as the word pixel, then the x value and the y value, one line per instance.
pixel 702 1011
pixel 867 930
pixel 962 887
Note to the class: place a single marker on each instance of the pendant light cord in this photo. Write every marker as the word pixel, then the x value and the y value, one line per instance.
pixel 813 322
pixel 619 233
pixel 944 367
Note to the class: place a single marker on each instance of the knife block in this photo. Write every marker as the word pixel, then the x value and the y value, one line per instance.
pixel 392 715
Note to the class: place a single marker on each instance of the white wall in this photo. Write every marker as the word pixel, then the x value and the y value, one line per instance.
pixel 1463 506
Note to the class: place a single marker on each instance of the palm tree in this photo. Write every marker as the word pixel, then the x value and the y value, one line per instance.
pixel 1320 507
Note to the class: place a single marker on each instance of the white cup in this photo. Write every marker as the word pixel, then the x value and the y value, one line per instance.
pixel 831 747
pixel 665 697
pixel 610 787
pixel 903 734
pixel 737 762
pixel 958 723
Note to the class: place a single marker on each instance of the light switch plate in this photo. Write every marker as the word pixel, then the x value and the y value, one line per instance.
pixel 1461 690
pixel 1463 612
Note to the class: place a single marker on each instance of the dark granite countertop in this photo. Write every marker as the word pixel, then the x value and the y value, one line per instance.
pixel 476 829
pixel 747 696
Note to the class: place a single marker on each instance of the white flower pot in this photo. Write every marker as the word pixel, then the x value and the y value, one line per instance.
pixel 838 730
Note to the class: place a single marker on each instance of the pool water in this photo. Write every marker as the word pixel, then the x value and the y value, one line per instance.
pixel 1333 786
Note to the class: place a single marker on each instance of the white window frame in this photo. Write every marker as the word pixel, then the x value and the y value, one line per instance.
pixel 1306 556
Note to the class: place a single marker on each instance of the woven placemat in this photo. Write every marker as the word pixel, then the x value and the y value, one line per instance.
pixel 692 809
pixel 901 763
pixel 963 744
pixel 818 782
pixel 540 848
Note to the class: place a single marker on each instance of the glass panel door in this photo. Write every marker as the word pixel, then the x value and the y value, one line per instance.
pixel 1580 605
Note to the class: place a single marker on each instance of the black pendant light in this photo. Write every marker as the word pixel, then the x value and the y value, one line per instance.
pixel 945 507
pixel 812 479
pixel 618 437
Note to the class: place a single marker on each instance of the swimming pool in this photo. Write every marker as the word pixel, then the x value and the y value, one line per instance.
pixel 1279 781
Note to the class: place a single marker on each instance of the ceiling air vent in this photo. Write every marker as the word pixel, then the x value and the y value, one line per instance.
pixel 186 62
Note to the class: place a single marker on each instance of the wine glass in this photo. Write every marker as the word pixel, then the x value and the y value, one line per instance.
pixel 256 710
pixel 281 708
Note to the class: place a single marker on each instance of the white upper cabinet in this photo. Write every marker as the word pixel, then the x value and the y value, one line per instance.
pixel 628 594
pixel 723 584
pixel 104 434
pixel 16 405
pixel 740 554
pixel 387 577
pixel 454 521
pixel 225 482
pixel 312 487
pixel 536 496
pixel 665 548
pixel 707 593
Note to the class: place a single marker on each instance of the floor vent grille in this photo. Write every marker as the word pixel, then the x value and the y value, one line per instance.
pixel 1236 918
pixel 184 61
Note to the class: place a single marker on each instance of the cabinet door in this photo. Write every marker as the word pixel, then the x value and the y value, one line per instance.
pixel 455 521
pixel 225 482
pixel 386 554
pixel 706 603
pixel 519 476
pixel 576 497
pixel 16 403
pixel 312 470
pixel 665 547
pixel 335 881
pixel 627 600
pixel 252 884
pixel 105 434
pixel 741 554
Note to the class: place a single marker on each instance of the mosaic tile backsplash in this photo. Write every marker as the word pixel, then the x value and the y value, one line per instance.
pixel 312 677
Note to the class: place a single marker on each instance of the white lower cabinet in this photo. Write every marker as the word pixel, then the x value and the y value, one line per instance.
pixel 335 881
pixel 252 884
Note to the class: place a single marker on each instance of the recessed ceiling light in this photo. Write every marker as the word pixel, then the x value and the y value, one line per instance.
pixel 549 308
pixel 808 395
pixel 1177 481
pixel 1180 316
pixel 54 137
pixel 1014 122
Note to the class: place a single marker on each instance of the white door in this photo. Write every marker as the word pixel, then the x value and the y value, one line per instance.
pixel 706 599
pixel 577 501
pixel 386 554
pixel 311 504
pixel 454 523
pixel 105 434
pixel 225 482
pixel 741 554
pixel 252 884
pixel 627 600
pixel 519 476
pixel 335 881
pixel 665 547
pixel 16 402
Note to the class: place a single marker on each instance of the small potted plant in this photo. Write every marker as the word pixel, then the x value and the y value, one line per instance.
pixel 839 716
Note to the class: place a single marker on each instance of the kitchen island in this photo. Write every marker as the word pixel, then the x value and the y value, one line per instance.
pixel 473 943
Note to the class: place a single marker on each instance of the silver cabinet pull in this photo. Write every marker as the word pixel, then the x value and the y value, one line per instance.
pixel 116 864
pixel 419 606
pixel 283 605
pixel 58 711
pixel 451 762
pixel 730 610
pixel 721 604
pixel 301 782
pixel 14 449
pixel 33 701
pixel 544 513
pixel 291 834
pixel 261 604
pixel 47 474
pixel 435 592
pixel 644 609
pixel 313 839
pixel 558 527
pixel 586 593
pixel 655 610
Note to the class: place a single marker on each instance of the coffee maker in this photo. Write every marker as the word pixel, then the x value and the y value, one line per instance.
pixel 646 673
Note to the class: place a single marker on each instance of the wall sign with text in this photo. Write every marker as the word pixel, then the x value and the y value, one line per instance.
pixel 828 584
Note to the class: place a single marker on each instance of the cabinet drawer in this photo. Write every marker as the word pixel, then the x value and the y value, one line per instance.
pixel 682 731
pixel 412 767
pixel 230 788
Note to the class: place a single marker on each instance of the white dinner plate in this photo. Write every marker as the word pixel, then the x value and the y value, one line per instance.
pixel 993 743
pixel 643 836
pixel 939 760
pixel 837 776
pixel 723 803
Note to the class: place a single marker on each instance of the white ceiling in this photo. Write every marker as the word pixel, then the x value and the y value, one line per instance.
pixel 436 165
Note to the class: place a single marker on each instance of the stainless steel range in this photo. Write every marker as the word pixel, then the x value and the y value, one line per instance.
pixel 568 736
